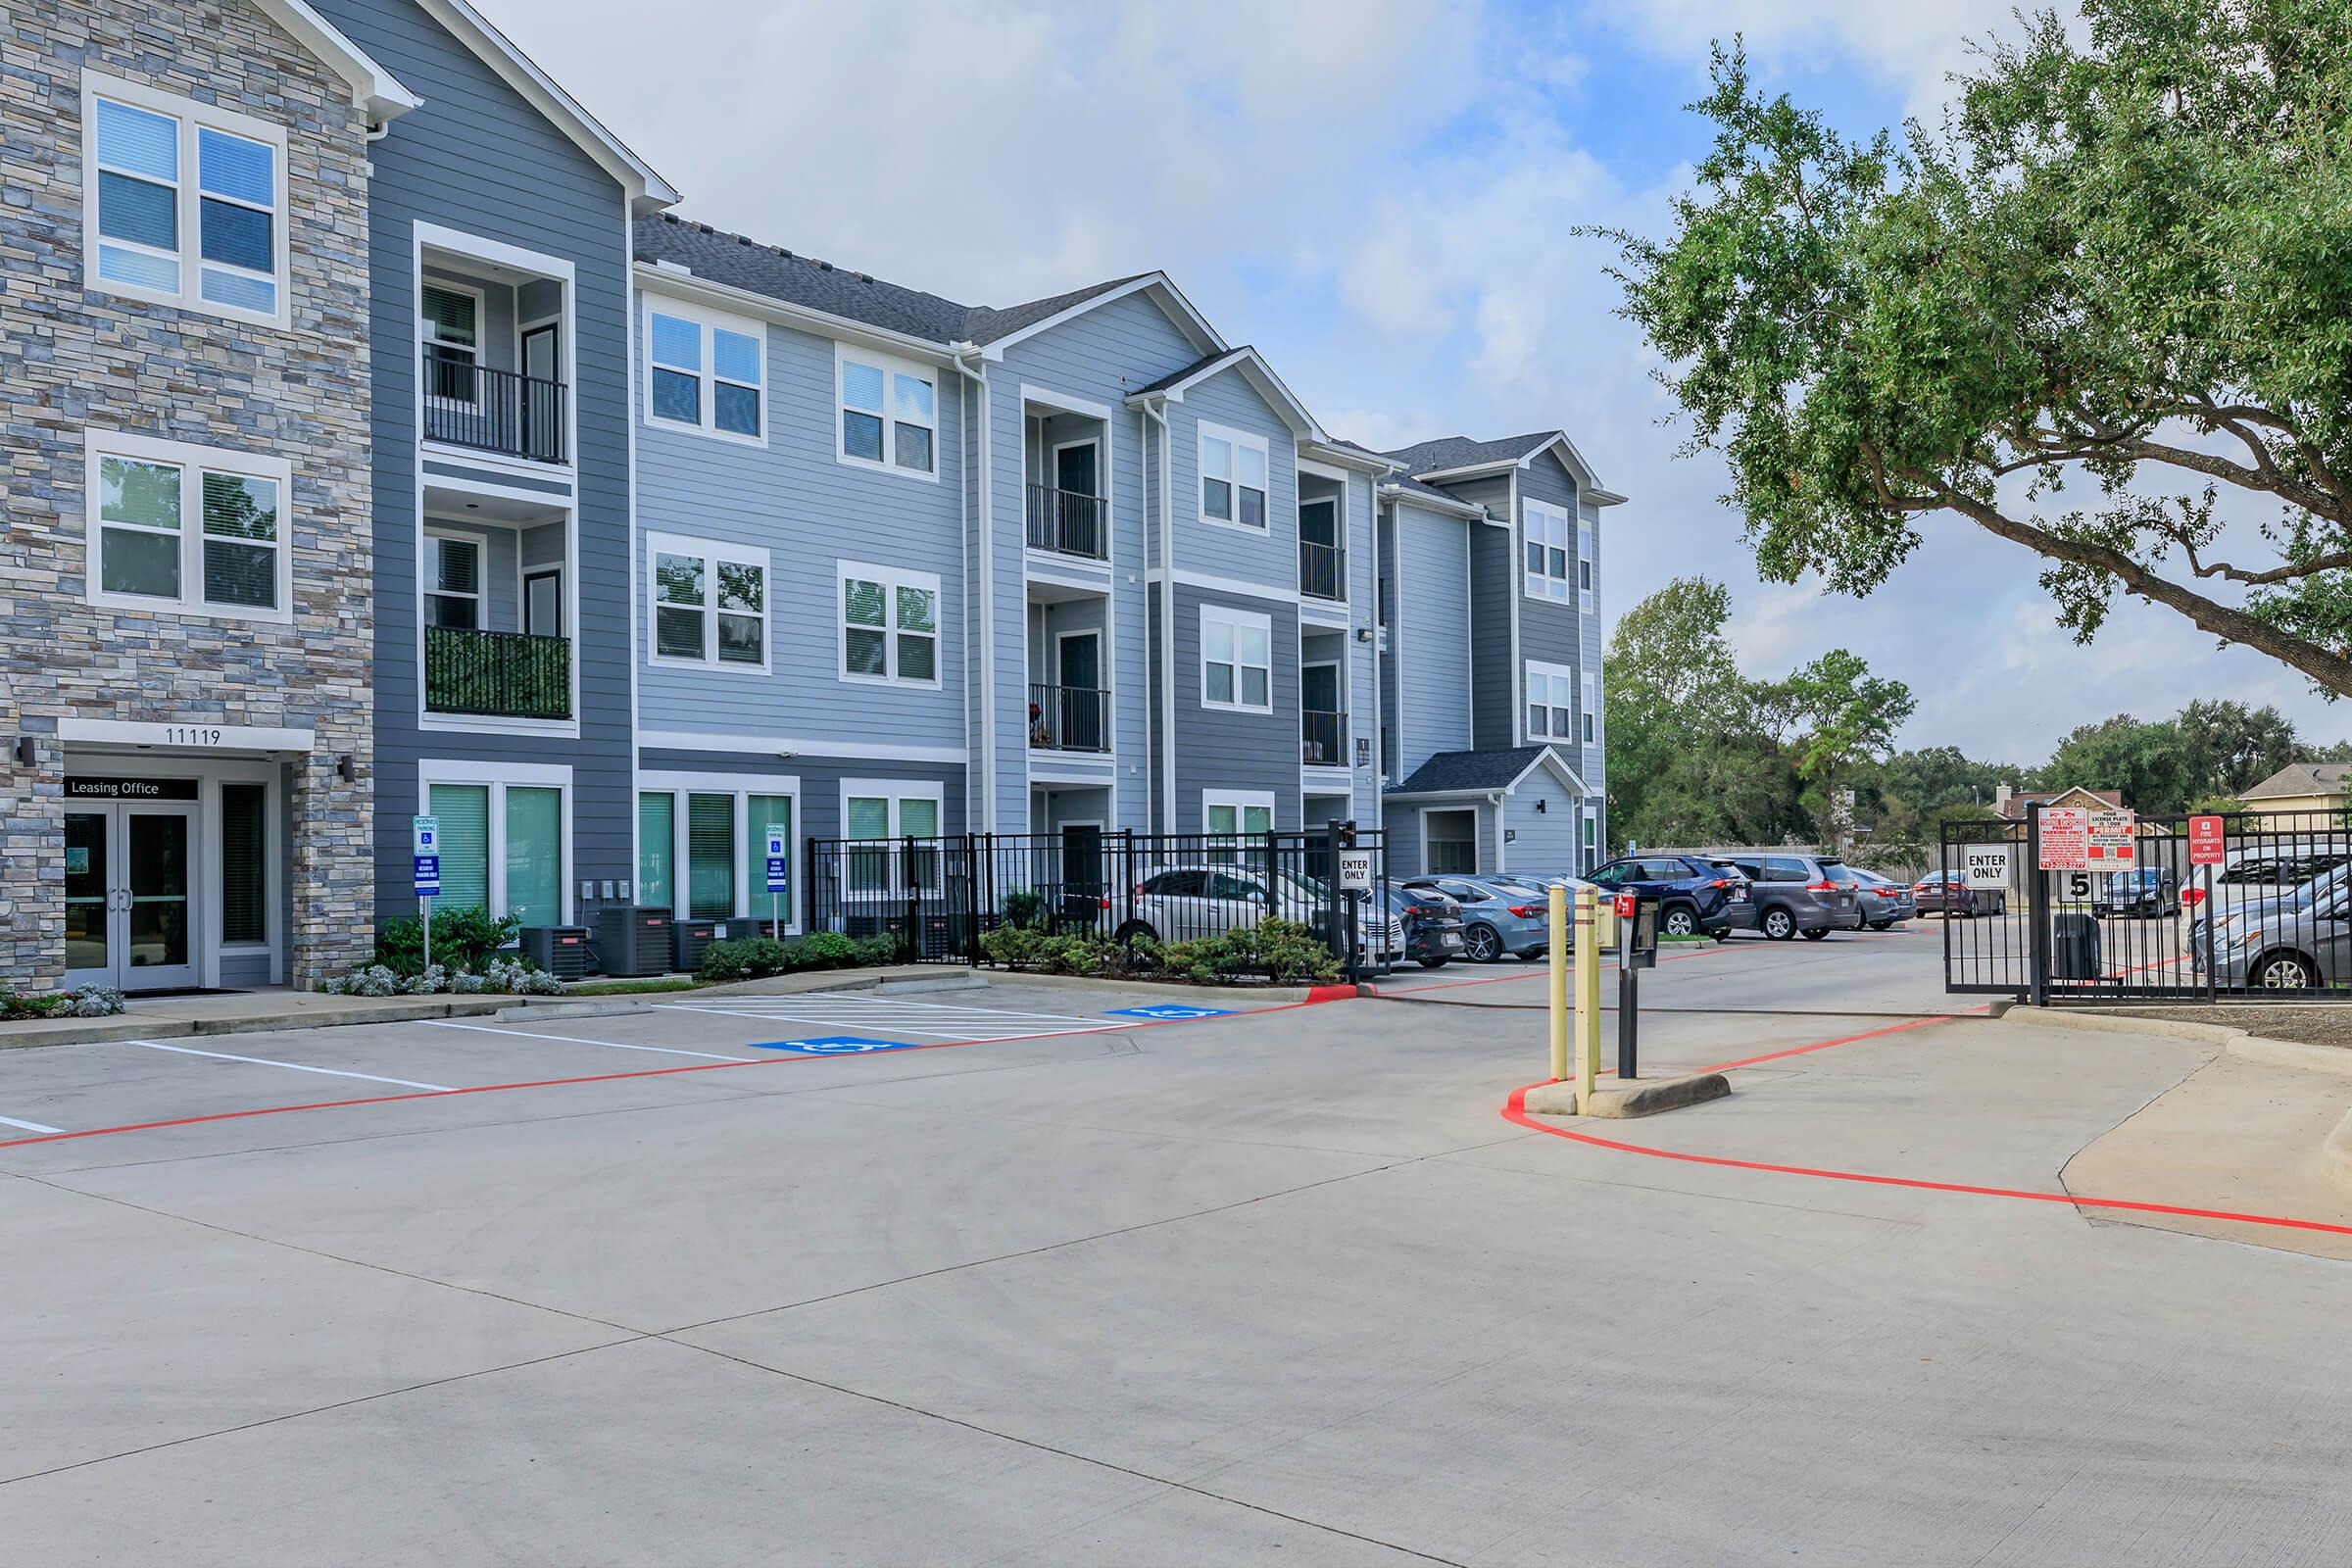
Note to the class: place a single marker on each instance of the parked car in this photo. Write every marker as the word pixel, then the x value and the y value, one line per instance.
pixel 2291 943
pixel 2149 891
pixel 1947 893
pixel 1697 895
pixel 1179 903
pixel 1432 924
pixel 1498 917
pixel 2268 869
pixel 1886 903
pixel 1800 895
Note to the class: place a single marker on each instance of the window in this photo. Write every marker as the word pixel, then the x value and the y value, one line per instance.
pixel 889 625
pixel 1545 545
pixel 1237 660
pixel 889 412
pixel 1449 842
pixel 452 591
pixel 657 848
pixel 1233 477
pixel 704 370
pixel 463 811
pixel 185 203
pixel 1592 711
pixel 451 325
pixel 710 603
pixel 759 814
pixel 702 844
pixel 534 819
pixel 1584 565
pixel 173 527
pixel 244 864
pixel 1225 814
pixel 709 856
pixel 881 810
pixel 1550 703
pixel 503 837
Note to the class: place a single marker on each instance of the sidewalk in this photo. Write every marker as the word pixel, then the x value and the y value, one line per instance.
pixel 260 1012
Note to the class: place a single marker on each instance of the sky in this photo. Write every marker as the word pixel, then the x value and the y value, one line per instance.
pixel 1380 195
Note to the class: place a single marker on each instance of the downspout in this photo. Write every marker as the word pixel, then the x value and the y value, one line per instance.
pixel 1516 681
pixel 1157 410
pixel 985 619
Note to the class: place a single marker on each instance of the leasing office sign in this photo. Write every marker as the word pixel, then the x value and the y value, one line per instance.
pixel 130 789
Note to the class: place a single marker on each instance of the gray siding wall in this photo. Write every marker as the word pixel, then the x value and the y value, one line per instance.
pixel 1430 639
pixel 1216 750
pixel 1494 678
pixel 1594 758
pixel 1384 548
pixel 810 512
pixel 1542 840
pixel 1363 655
pixel 1548 631
pixel 479 158
pixel 820 782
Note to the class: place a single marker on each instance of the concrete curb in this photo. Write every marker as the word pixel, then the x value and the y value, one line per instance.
pixel 1625 1100
pixel 2240 1043
pixel 2336 1154
pixel 32 1033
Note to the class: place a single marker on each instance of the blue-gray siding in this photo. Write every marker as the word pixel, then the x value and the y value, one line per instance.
pixel 1220 750
pixel 1430 638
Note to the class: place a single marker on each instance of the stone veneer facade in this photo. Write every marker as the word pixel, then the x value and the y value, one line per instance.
pixel 72 359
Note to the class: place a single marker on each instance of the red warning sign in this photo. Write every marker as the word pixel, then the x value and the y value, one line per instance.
pixel 2205 841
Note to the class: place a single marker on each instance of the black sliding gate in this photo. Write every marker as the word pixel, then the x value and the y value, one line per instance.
pixel 937 896
pixel 2214 907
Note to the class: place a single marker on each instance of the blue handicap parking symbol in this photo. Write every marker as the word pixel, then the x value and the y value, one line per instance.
pixel 833 1046
pixel 1169 1012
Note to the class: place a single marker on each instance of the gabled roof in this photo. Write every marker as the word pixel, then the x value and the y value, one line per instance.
pixel 2014 808
pixel 1470 772
pixel 2302 778
pixel 1460 456
pixel 648 192
pixel 372 89
pixel 1255 369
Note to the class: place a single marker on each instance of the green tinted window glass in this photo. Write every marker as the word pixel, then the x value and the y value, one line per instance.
pixel 463 811
pixel 535 855
pixel 657 848
pixel 711 857
pixel 765 811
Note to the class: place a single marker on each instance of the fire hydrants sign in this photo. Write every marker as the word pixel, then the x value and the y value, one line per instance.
pixel 2065 838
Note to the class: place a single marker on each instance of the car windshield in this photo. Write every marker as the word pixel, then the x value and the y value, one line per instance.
pixel 1299 882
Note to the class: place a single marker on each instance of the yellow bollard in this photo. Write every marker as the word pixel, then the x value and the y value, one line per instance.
pixel 1559 983
pixel 1588 993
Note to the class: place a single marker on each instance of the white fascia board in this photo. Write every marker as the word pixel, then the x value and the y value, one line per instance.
pixel 1399 495
pixel 1168 297
pixel 372 89
pixel 1557 766
pixel 648 192
pixel 654 278
pixel 1328 450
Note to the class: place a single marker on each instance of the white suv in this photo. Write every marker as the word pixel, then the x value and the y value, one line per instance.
pixel 1179 903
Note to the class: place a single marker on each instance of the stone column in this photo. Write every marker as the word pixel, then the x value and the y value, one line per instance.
pixel 330 855
pixel 33 858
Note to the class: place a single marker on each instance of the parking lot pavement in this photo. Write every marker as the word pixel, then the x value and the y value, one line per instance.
pixel 1280 1285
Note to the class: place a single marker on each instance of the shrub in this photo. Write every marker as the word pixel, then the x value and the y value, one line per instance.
pixel 462 939
pixel 90 1001
pixel 758 957
pixel 1024 906
pixel 1281 951
pixel 1081 953
pixel 504 974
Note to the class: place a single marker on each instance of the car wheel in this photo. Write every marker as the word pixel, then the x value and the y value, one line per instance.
pixel 1679 920
pixel 1882 925
pixel 1481 945
pixel 1778 924
pixel 1817 933
pixel 1434 963
pixel 2284 971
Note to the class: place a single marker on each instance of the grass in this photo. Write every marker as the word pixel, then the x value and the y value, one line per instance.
pixel 629 988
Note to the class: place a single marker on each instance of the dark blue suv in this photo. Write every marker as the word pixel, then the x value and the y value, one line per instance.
pixel 1695 896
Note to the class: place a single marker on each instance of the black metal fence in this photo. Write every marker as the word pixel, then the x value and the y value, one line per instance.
pixel 469 405
pixel 1068 718
pixel 1322 570
pixel 1068 522
pixel 2214 907
pixel 939 895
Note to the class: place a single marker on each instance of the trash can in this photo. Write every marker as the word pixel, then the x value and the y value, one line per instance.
pixel 2074 948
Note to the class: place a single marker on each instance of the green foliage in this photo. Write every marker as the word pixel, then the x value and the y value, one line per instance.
pixel 90 1001
pixel 1281 951
pixel 462 939
pixel 1024 906
pixel 758 957
pixel 1027 948
pixel 2121 268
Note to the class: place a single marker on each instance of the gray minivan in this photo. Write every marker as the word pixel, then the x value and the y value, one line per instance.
pixel 1794 893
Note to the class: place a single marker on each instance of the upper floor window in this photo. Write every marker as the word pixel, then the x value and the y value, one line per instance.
pixel 1546 530
pixel 179 527
pixel 1550 703
pixel 1591 712
pixel 889 625
pixel 889 412
pixel 452 584
pixel 1583 566
pixel 450 321
pixel 184 204
pixel 710 603
pixel 1233 477
pixel 1237 660
pixel 704 370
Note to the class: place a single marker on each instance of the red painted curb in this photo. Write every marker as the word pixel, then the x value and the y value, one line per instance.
pixel 1330 994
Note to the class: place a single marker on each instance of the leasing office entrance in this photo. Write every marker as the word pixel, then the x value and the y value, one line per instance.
pixel 130 910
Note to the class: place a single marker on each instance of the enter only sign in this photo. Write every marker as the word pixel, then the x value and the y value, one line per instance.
pixel 1987 865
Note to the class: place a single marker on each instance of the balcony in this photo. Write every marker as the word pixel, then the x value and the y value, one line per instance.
pixel 1322 570
pixel 497 675
pixel 1068 718
pixel 1322 737
pixel 470 404
pixel 1069 523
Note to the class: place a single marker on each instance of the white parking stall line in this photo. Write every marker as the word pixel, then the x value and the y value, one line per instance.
pixel 291 1066
pixel 580 1040
pixel 28 1126
pixel 979 1026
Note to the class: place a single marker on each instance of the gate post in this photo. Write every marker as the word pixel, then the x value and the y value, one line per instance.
pixel 909 946
pixel 2037 910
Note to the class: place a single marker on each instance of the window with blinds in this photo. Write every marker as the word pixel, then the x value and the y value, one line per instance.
pixel 464 813
pixel 657 848
pixel 534 853
pixel 244 863
pixel 709 856
pixel 763 811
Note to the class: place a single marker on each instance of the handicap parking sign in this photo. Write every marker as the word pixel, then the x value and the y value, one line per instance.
pixel 833 1046
pixel 1168 1013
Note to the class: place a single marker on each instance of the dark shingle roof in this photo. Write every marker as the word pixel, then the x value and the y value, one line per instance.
pixel 1470 771
pixel 1460 452
pixel 1192 370
pixel 742 263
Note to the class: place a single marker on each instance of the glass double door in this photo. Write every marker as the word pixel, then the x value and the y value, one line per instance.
pixel 131 910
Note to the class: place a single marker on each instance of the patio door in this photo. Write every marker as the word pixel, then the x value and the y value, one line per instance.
pixel 130 906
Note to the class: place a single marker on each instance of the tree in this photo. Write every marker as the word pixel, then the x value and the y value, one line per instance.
pixel 2146 760
pixel 2229 746
pixel 2124 268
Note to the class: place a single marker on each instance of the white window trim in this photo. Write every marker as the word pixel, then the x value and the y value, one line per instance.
pixel 706 400
pixel 481 569
pixel 889 365
pixel 892 580
pixel 897 792
pixel 1588 564
pixel 1204 431
pixel 1240 620
pixel 191 459
pixel 425 334
pixel 190 115
pixel 1477 865
pixel 1537 669
pixel 711 551
pixel 1541 588
pixel 751 904
pixel 1241 801
pixel 1591 717
pixel 496 776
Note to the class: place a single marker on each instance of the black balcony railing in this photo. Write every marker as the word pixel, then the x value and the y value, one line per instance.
pixel 1069 523
pixel 1069 718
pixel 1322 737
pixel 497 675
pixel 469 405
pixel 1322 570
